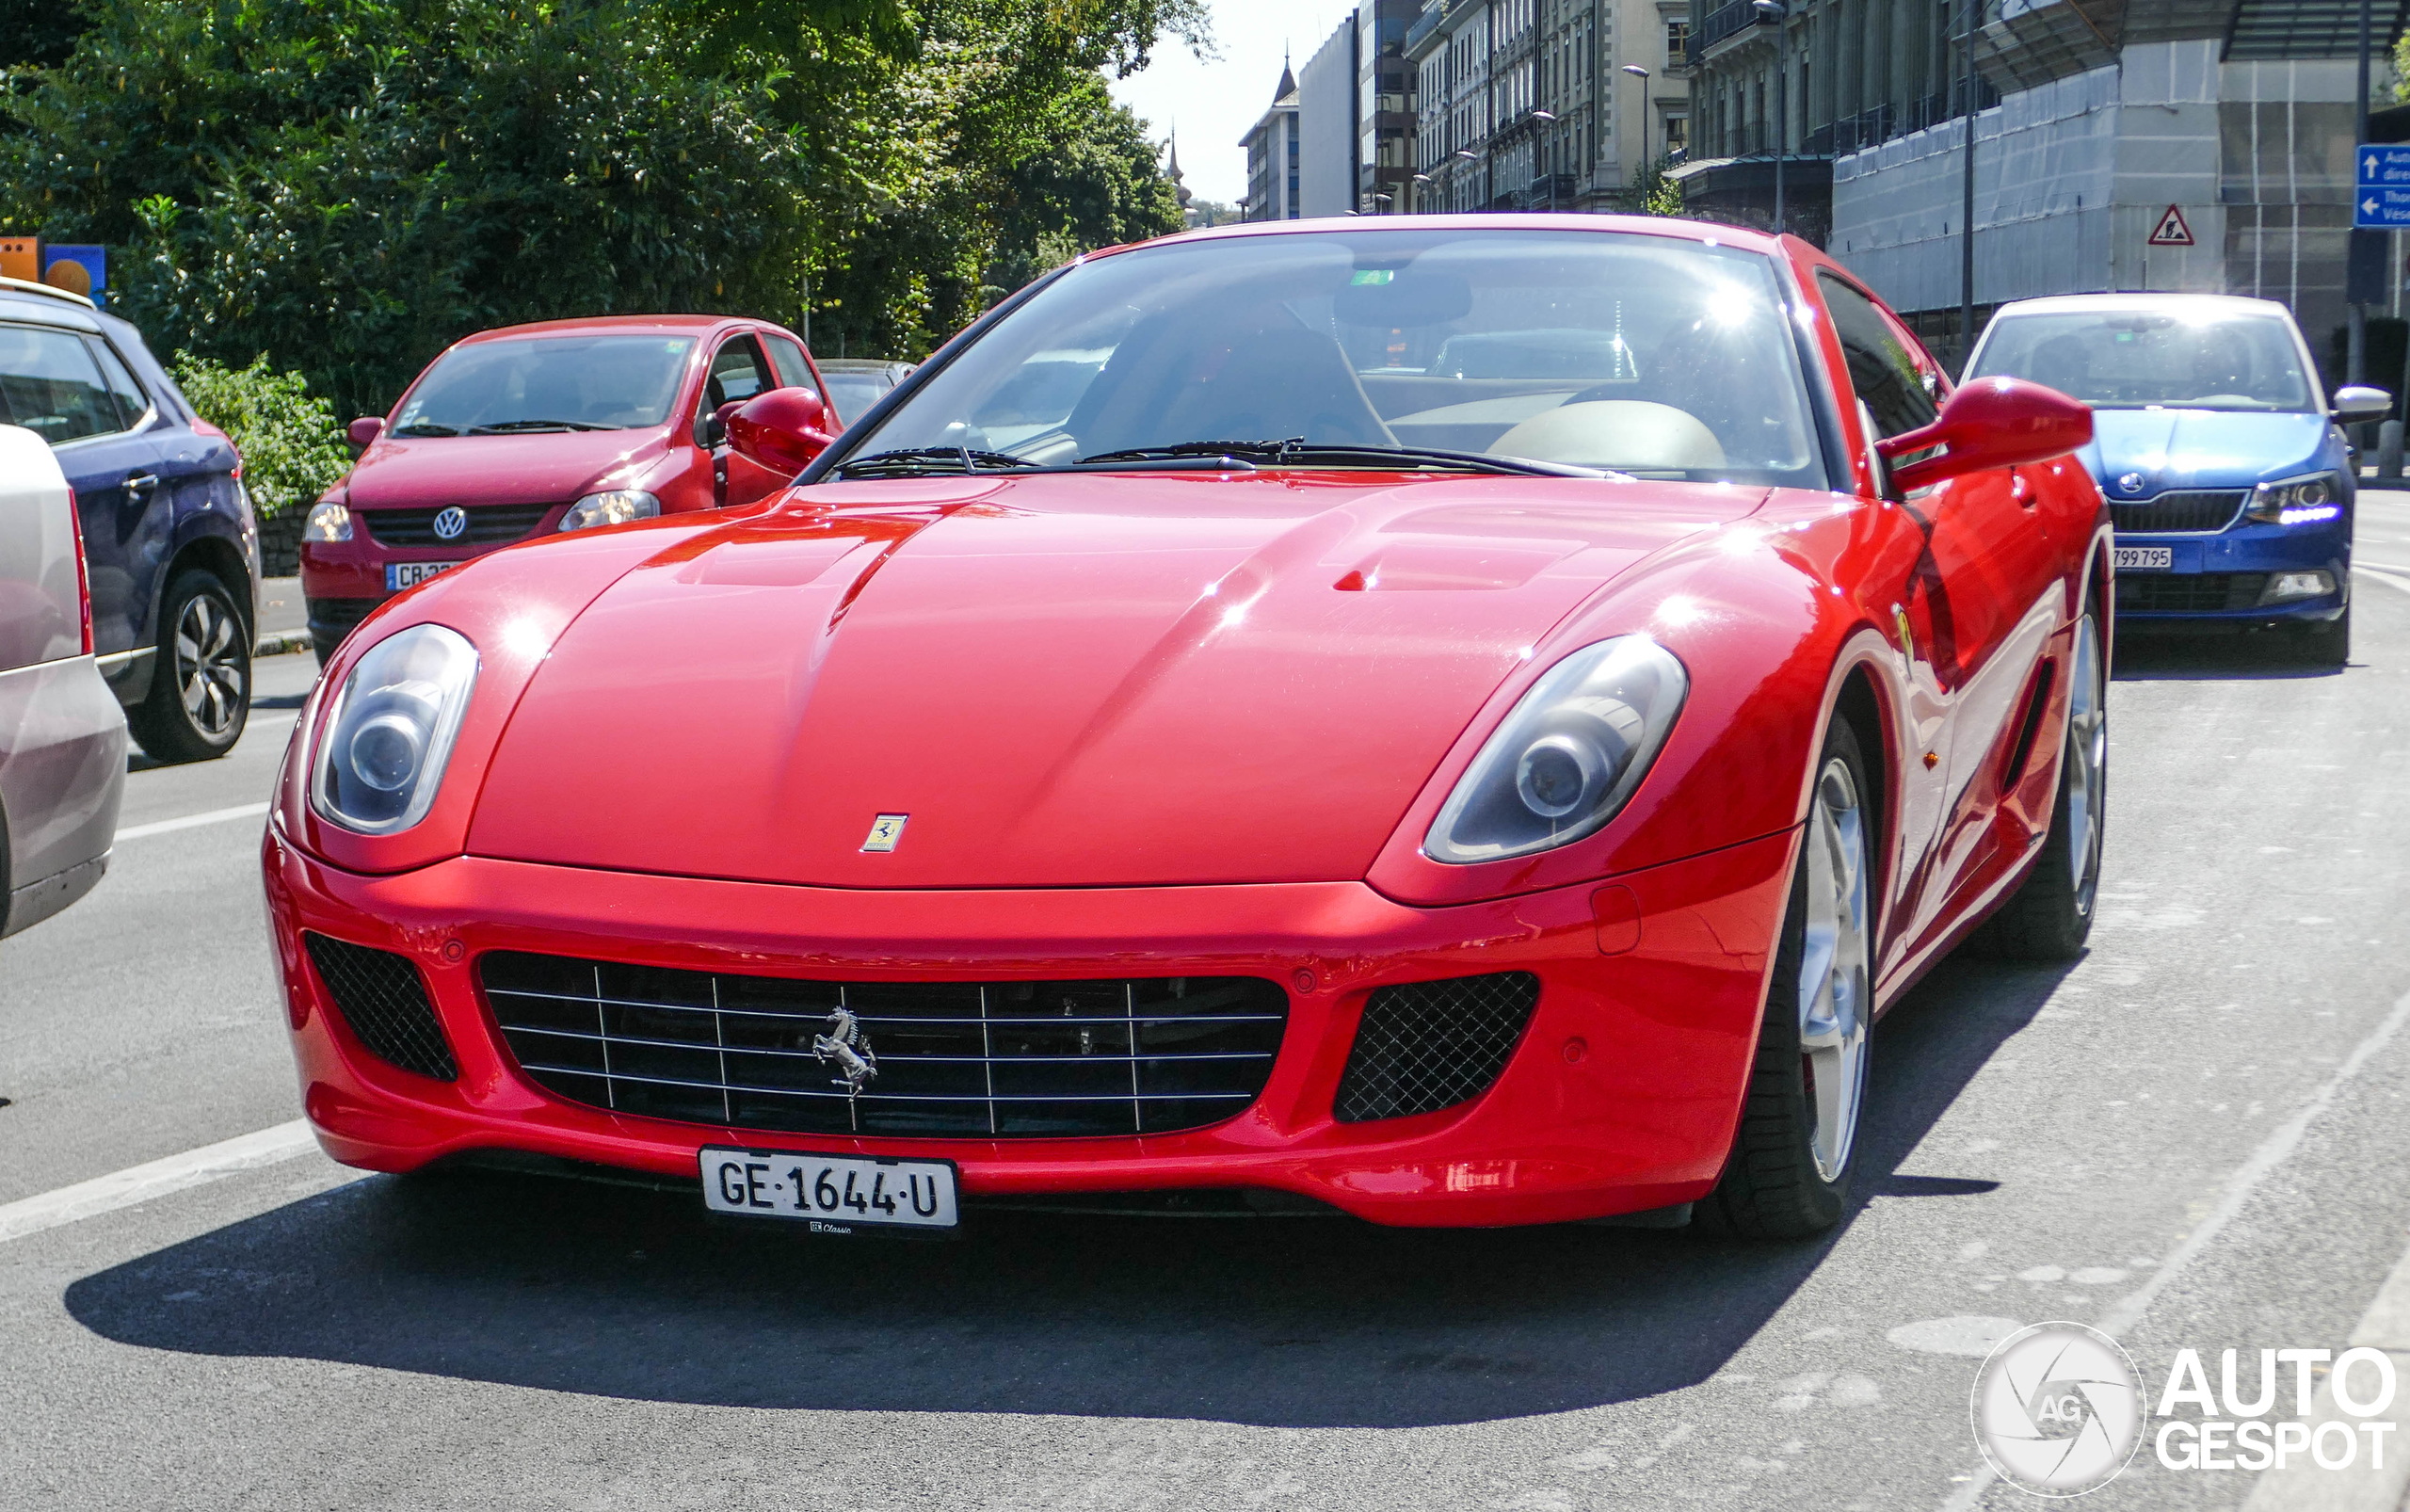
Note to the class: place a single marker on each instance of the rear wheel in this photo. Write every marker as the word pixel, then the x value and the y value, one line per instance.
pixel 1789 1173
pixel 2050 916
pixel 200 686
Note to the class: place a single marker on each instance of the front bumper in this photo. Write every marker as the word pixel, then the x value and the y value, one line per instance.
pixel 1622 1095
pixel 2223 577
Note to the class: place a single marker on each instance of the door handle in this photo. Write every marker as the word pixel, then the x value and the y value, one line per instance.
pixel 137 483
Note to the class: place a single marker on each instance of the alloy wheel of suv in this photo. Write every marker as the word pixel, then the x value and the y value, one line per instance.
pixel 201 688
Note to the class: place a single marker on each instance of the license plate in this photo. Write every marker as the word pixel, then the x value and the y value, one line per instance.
pixel 2146 558
pixel 400 576
pixel 835 1193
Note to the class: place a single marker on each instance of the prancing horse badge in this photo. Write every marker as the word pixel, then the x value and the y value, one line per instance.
pixel 885 831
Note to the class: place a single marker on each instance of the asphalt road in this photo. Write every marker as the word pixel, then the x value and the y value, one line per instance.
pixel 2196 1136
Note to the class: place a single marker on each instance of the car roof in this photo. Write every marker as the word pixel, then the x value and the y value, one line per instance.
pixel 1697 230
pixel 859 365
pixel 615 325
pixel 2070 304
pixel 42 304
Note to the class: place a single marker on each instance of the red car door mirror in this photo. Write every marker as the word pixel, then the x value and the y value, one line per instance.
pixel 782 429
pixel 362 432
pixel 1993 422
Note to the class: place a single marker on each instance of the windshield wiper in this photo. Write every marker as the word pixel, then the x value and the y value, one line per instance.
pixel 1298 452
pixel 425 430
pixel 504 428
pixel 921 459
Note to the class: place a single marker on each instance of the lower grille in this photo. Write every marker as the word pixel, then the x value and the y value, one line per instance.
pixel 2189 592
pixel 489 525
pixel 1012 1059
pixel 383 999
pixel 2213 509
pixel 1430 1045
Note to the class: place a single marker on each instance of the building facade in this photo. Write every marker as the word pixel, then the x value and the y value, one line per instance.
pixel 1525 105
pixel 1326 104
pixel 1273 157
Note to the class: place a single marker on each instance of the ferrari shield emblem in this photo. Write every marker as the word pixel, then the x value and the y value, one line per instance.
pixel 885 831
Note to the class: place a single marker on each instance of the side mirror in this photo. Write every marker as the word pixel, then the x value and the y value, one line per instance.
pixel 782 429
pixel 362 432
pixel 1993 422
pixel 2356 403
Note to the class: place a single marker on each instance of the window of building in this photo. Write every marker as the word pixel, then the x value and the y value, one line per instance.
pixel 1677 136
pixel 1678 44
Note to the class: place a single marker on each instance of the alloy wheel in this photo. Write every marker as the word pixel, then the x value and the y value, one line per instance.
pixel 2087 761
pixel 209 665
pixel 1834 999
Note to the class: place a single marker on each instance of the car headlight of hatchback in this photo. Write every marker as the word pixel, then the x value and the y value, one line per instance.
pixel 2297 501
pixel 328 522
pixel 1568 757
pixel 389 735
pixel 616 508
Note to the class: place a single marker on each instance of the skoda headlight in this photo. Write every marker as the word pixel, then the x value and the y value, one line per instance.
pixel 328 522
pixel 390 731
pixel 2297 501
pixel 616 508
pixel 1567 756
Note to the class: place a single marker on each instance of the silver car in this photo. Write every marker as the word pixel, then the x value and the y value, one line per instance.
pixel 62 733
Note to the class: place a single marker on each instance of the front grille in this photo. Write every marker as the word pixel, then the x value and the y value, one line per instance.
pixel 489 525
pixel 1016 1059
pixel 2189 592
pixel 2211 510
pixel 383 999
pixel 1431 1045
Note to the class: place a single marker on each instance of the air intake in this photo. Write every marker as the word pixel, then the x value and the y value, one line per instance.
pixel 380 995
pixel 1430 1045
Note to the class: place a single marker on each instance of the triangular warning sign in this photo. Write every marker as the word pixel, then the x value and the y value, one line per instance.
pixel 2171 230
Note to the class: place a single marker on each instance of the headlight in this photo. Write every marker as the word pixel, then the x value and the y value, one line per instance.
pixel 2297 501
pixel 390 731
pixel 328 522
pixel 1567 756
pixel 616 508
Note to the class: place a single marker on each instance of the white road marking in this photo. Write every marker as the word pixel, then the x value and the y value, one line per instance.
pixel 2273 1152
pixel 162 827
pixel 2362 1485
pixel 140 1183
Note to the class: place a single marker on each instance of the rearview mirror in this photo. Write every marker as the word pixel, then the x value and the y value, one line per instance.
pixel 362 432
pixel 2356 403
pixel 1993 422
pixel 782 429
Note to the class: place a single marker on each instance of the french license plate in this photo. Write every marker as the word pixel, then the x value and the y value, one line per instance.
pixel 400 576
pixel 2146 558
pixel 835 1193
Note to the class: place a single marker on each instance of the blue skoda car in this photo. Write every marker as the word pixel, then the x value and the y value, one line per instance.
pixel 2221 457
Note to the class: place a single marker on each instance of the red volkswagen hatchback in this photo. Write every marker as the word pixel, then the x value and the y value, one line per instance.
pixel 528 429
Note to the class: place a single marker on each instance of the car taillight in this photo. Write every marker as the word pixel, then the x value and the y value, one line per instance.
pixel 82 573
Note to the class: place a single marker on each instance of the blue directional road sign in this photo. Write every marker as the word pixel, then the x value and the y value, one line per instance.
pixel 2381 196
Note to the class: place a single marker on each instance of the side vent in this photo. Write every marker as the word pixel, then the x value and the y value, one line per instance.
pixel 382 997
pixel 1425 1046
pixel 2045 677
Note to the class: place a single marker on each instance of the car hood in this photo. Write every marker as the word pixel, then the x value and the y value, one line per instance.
pixel 2168 449
pixel 1061 681
pixel 548 467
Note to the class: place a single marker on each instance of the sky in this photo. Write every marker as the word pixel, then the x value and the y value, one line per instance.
pixel 1212 104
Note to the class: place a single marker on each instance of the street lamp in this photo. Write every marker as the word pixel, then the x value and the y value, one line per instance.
pixel 1642 74
pixel 1550 117
pixel 1422 179
pixel 1776 9
pixel 1471 157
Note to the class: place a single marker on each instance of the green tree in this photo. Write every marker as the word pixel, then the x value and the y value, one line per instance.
pixel 292 450
pixel 1651 192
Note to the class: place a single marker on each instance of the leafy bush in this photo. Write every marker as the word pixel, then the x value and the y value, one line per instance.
pixel 292 450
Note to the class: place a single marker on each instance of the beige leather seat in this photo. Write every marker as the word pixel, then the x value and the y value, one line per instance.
pixel 1632 434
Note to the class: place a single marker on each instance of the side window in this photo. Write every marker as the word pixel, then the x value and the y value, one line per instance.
pixel 737 373
pixel 1881 367
pixel 132 403
pixel 794 372
pixel 52 385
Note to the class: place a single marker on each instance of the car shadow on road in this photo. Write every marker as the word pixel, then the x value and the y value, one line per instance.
pixel 2178 656
pixel 1287 1321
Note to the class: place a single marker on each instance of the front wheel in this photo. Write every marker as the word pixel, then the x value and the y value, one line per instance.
pixel 200 686
pixel 2050 916
pixel 1789 1173
pixel 2328 644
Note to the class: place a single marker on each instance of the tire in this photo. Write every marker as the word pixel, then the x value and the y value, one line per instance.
pixel 2328 644
pixel 1789 1174
pixel 325 647
pixel 201 685
pixel 2050 916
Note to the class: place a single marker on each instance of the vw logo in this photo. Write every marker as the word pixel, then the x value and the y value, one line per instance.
pixel 2131 483
pixel 451 523
pixel 2058 1410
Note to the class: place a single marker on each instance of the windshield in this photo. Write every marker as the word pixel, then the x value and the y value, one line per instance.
pixel 850 394
pixel 536 383
pixel 1650 355
pixel 2134 360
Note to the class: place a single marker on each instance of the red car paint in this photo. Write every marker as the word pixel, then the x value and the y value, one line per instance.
pixel 1111 773
pixel 345 579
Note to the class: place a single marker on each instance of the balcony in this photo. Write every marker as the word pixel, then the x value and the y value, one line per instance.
pixel 1725 21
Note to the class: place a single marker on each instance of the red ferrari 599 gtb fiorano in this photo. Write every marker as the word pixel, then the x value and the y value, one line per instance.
pixel 1465 720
